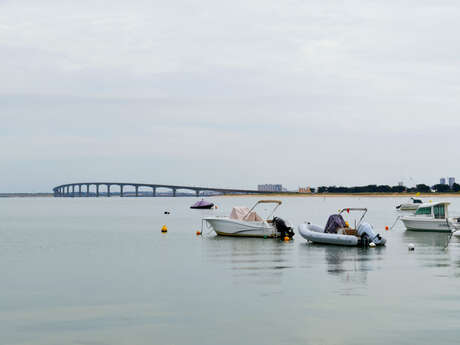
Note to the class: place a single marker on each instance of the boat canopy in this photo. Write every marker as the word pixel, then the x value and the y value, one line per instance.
pixel 431 204
pixel 202 203
pixel 359 209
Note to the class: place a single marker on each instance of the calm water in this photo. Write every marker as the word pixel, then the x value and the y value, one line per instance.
pixel 99 271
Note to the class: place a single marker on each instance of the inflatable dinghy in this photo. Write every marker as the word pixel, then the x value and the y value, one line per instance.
pixel 364 236
pixel 338 232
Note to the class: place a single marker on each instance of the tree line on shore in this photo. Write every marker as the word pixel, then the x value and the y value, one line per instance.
pixel 373 188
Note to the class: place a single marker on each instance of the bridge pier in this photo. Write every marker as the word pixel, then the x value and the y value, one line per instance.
pixel 70 190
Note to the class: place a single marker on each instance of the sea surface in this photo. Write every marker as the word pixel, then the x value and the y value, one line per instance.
pixel 99 271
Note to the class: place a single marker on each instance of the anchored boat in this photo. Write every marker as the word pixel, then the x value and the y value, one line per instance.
pixel 202 204
pixel 410 206
pixel 247 223
pixel 337 231
pixel 431 217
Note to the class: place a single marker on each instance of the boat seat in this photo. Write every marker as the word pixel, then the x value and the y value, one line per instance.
pixel 347 231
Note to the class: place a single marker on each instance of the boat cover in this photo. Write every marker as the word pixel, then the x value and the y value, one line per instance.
pixel 239 213
pixel 334 223
pixel 202 203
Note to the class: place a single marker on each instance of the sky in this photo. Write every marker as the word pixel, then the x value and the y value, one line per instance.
pixel 228 94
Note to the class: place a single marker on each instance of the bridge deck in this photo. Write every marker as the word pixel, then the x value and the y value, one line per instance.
pixel 70 189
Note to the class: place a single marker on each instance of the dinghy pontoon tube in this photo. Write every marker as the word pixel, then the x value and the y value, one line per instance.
pixel 337 232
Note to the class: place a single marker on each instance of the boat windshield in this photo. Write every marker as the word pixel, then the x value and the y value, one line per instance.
pixel 417 201
pixel 439 211
pixel 424 210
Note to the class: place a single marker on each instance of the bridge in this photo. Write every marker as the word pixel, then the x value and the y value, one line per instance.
pixel 96 189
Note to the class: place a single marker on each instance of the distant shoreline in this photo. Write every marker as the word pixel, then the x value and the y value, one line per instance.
pixel 268 195
pixel 342 195
pixel 26 195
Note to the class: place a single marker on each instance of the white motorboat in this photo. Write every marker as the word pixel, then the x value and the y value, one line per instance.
pixel 431 217
pixel 338 232
pixel 247 223
pixel 410 206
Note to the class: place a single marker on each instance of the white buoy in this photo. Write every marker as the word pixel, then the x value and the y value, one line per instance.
pixel 372 244
pixel 411 247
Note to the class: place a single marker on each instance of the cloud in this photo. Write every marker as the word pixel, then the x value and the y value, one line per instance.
pixel 319 92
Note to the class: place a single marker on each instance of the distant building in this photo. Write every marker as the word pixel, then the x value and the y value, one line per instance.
pixel 451 181
pixel 270 188
pixel 442 180
pixel 304 190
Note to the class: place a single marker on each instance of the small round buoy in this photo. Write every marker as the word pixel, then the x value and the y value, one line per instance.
pixel 164 228
pixel 411 247
pixel 198 232
pixel 387 228
pixel 286 238
pixel 372 244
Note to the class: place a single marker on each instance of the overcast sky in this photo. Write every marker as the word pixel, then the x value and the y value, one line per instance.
pixel 228 93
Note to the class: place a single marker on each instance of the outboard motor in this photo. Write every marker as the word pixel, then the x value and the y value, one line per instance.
pixel 368 235
pixel 283 228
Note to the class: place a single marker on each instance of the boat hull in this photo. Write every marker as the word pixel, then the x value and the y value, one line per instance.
pixel 205 207
pixel 237 228
pixel 311 233
pixel 435 225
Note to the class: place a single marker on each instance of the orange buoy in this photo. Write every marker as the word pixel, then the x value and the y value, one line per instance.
pixel 164 229
pixel 198 232
pixel 286 238
pixel 387 228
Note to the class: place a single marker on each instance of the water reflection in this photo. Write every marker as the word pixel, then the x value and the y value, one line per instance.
pixel 350 265
pixel 427 239
pixel 262 260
